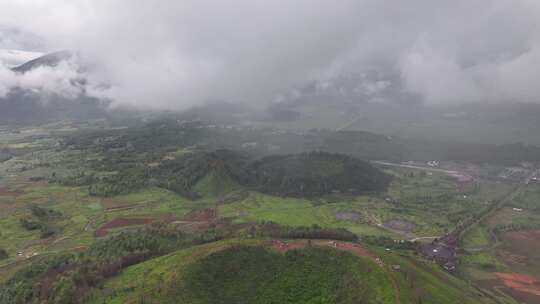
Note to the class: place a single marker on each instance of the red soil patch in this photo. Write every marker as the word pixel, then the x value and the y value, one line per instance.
pixel 524 235
pixel 520 296
pixel 517 278
pixel 522 286
pixel 283 247
pixel 351 247
pixel 121 222
pixel 521 248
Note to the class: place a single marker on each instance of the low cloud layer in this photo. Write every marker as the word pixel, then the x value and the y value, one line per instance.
pixel 63 80
pixel 174 54
pixel 15 57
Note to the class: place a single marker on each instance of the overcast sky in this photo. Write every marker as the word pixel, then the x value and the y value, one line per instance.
pixel 173 54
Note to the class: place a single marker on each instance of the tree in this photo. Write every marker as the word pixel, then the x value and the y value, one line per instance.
pixel 3 254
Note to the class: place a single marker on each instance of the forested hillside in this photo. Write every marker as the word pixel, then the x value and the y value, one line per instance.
pixel 315 174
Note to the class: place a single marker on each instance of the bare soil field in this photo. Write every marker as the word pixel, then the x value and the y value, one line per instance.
pixel 282 247
pixel 524 235
pixel 522 287
pixel 121 222
pixel 357 249
pixel 521 250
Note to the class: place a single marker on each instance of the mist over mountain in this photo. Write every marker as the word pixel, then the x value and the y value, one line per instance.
pixel 282 61
pixel 49 60
pixel 166 55
pixel 18 46
pixel 34 99
pixel 256 151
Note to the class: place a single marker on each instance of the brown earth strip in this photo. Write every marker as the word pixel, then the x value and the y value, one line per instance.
pixel 523 287
pixel 121 222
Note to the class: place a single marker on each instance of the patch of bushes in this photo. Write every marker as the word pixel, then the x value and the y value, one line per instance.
pixel 70 278
pixel 314 174
pixel 47 229
pixel 270 229
pixel 3 254
pixel 387 242
pixel 44 213
pixel 80 179
pixel 41 219
pixel 250 274
pixel 178 174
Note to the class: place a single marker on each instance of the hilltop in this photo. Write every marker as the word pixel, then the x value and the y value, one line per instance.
pixel 315 174
pixel 275 271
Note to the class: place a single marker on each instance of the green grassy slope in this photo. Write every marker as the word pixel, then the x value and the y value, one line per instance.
pixel 215 183
pixel 248 271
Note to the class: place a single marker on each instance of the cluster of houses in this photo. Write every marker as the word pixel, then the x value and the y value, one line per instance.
pixel 442 251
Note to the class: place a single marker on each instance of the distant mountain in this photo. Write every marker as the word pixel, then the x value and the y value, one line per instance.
pixel 315 174
pixel 11 58
pixel 49 60
pixel 20 107
pixel 25 106
pixel 380 103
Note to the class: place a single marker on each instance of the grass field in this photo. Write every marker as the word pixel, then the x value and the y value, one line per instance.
pixel 300 212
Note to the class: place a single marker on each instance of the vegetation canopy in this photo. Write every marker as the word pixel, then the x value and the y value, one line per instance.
pixel 316 173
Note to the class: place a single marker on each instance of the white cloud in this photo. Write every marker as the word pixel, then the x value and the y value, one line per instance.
pixel 7 80
pixel 59 80
pixel 173 54
pixel 12 58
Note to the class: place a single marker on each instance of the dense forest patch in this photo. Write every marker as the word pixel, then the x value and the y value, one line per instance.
pixel 178 173
pixel 198 173
pixel 73 277
pixel 70 277
pixel 316 173
pixel 249 274
pixel 3 254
